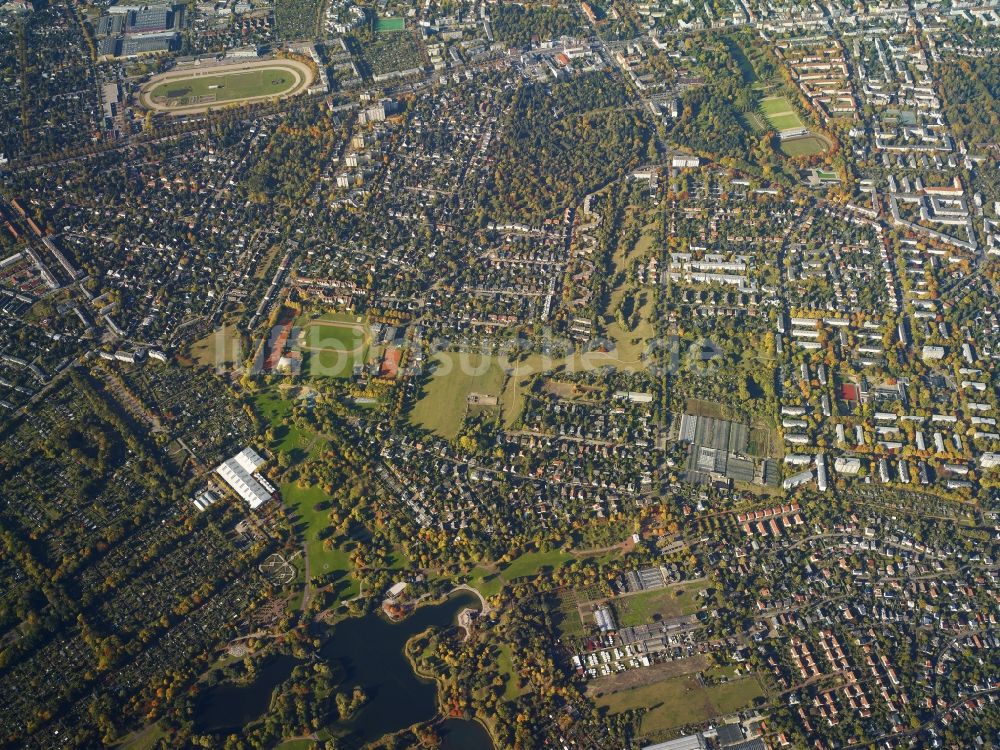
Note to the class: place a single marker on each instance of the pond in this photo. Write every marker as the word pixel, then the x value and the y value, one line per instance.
pixel 370 650
pixel 463 734
pixel 230 705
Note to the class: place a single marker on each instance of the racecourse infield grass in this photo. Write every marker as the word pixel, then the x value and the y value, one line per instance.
pixel 201 89
pixel 226 87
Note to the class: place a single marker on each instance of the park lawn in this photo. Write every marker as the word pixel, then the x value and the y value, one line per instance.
pixel 646 241
pixel 630 346
pixel 669 602
pixel 301 502
pixel 442 407
pixel 245 84
pixel 625 252
pixel 488 580
pixel 682 700
pixel 505 663
pixel 274 405
pixel 531 563
pixel 397 560
pixel 298 442
pixel 143 739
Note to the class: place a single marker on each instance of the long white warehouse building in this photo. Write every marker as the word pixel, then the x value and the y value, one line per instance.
pixel 238 473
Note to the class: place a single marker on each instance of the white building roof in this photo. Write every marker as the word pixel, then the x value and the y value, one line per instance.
pixel 238 474
pixel 249 459
pixel 690 742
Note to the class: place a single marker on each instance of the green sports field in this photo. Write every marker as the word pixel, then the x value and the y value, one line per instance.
pixel 333 345
pixel 778 111
pixel 390 24
pixel 225 87
pixel 805 146
pixel 334 336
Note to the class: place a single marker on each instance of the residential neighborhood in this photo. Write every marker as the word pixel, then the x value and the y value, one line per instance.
pixel 605 374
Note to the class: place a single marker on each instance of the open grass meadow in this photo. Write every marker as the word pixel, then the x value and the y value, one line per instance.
pixel 443 404
pixel 223 347
pixel 274 404
pixel 143 739
pixel 531 563
pixel 682 700
pixel 660 604
pixel 630 345
pixel 490 579
pixel 506 664
pixel 628 315
pixel 298 744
